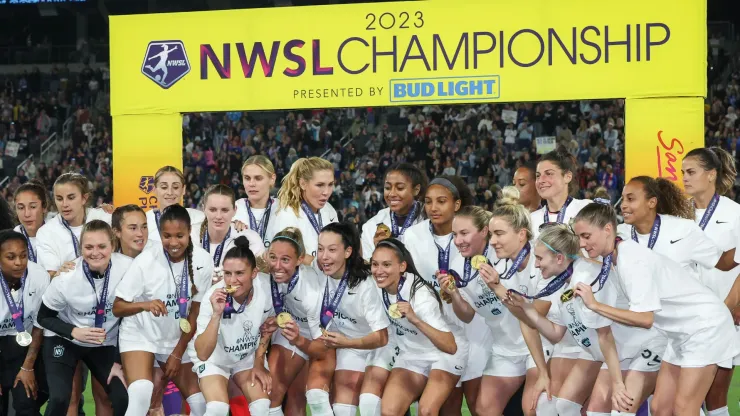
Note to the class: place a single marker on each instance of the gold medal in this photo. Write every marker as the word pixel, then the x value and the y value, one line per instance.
pixel 230 289
pixel 283 318
pixel 446 298
pixel 451 284
pixel 384 228
pixel 478 261
pixel 394 312
pixel 566 296
pixel 185 325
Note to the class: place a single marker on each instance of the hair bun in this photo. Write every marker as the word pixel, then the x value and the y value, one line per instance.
pixel 241 242
pixel 509 196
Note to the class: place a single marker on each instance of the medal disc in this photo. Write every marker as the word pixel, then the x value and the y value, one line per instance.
pixel 384 228
pixel 566 296
pixel 23 339
pixel 230 289
pixel 446 298
pixel 478 261
pixel 185 325
pixel 394 312
pixel 283 318
pixel 451 284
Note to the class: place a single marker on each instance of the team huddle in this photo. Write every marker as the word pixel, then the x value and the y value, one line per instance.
pixel 435 300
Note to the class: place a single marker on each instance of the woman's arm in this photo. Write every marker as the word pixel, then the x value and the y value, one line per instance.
pixel 534 343
pixel 461 307
pixel 445 341
pixel 49 319
pixel 727 261
pixel 185 338
pixel 37 336
pixel 206 342
pixel 122 308
pixel 625 317
pixel 370 341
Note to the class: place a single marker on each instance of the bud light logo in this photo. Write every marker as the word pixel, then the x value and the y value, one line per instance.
pixel 146 184
pixel 165 62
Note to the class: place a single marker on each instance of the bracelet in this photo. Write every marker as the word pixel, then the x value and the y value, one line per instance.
pixel 173 355
pixel 26 370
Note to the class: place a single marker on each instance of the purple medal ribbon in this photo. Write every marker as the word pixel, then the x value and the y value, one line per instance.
pixel 277 297
pixel 468 269
pixel 561 213
pixel 654 232
pixel 229 309
pixel 552 286
pixel 31 251
pixel 329 308
pixel 443 254
pixel 704 219
pixel 16 310
pixel 182 287
pixel 99 302
pixel 387 300
pixel 262 227
pixel 517 262
pixel 605 268
pixel 75 241
pixel 315 220
pixel 410 218
pixel 219 249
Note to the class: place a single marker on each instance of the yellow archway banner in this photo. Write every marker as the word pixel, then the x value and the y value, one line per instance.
pixel 384 54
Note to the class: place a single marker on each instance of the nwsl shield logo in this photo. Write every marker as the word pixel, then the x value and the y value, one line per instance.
pixel 165 62
pixel 146 184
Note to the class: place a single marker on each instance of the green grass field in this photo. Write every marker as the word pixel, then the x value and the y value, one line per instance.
pixel 733 399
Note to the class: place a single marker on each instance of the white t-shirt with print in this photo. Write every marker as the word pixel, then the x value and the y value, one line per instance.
pixel 303 303
pixel 54 244
pixel 287 218
pixel 242 215
pixel 37 281
pixel 538 216
pixel 196 219
pixel 255 243
pixel 368 230
pixel 360 312
pixel 680 240
pixel 406 335
pixel 71 295
pixel 238 336
pixel 148 278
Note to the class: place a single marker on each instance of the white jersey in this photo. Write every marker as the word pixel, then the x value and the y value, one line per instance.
pixel 422 245
pixel 196 219
pixel 239 336
pixel 242 214
pixel 255 243
pixel 652 282
pixel 722 228
pixel 538 217
pixel 37 281
pixel 303 302
pixel 287 218
pixel 680 240
pixel 54 243
pixel 406 335
pixel 507 340
pixel 382 217
pixel 150 278
pixel 71 295
pixel 31 239
pixel 360 311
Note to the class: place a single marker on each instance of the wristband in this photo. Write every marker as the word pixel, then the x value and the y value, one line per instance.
pixel 26 370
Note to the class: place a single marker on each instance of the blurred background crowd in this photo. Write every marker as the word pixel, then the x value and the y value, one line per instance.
pixel 55 117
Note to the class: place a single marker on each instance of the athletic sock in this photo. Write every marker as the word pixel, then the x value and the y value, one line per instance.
pixel 341 409
pixel 197 403
pixel 217 409
pixel 139 397
pixel 369 405
pixel 318 402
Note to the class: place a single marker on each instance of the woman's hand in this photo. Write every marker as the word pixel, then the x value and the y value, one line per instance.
pixel 262 376
pixel 217 275
pixel 67 266
pixel 379 236
pixel 585 292
pixel 269 326
pixel 28 379
pixel 541 386
pixel 218 301
pixel 408 312
pixel 335 340
pixel 291 332
pixel 621 400
pixel 107 208
pixel 444 280
pixel 156 307
pixel 172 367
pixel 515 300
pixel 489 275
pixel 117 371
pixel 89 335
pixel 239 226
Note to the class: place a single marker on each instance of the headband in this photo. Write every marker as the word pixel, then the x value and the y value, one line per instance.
pixel 285 237
pixel 602 201
pixel 447 184
pixel 570 256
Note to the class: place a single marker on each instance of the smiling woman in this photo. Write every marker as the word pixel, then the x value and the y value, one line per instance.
pixel 169 189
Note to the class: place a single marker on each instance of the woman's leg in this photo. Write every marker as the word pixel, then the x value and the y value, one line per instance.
pixel 452 406
pixel 577 387
pixel 495 393
pixel 401 389
pixel 103 406
pixel 61 359
pixel 471 389
pixel 559 369
pixel 215 391
pixel 665 390
pixel 160 385
pixel 187 382
pixel 137 367
pixel 77 388
pixel 317 385
pixel 259 402
pixel 284 367
pixel 439 386
pixel 373 384
pixel 693 385
pixel 717 397
pixel 346 391
pixel 100 360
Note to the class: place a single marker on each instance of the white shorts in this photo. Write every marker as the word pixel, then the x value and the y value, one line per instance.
pixel 279 339
pixel 480 339
pixel 205 369
pixel 351 359
pixel 384 357
pixel 424 365
pixel 503 366
pixel 128 346
pixel 736 360
pixel 455 364
pixel 567 348
pixel 707 346
pixel 548 354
